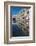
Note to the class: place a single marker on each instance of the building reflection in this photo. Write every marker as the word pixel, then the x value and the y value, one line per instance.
pixel 21 23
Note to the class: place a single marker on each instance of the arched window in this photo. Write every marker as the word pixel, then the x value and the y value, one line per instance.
pixel 14 20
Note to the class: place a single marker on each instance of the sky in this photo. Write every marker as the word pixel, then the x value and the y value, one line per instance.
pixel 15 10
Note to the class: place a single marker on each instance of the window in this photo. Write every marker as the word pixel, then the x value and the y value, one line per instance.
pixel 27 12
pixel 14 20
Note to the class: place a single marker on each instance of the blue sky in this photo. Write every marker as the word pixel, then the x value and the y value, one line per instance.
pixel 15 10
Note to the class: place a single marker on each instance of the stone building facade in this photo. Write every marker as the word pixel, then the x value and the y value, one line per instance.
pixel 22 20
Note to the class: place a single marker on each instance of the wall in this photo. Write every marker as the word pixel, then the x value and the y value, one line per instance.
pixel 2 23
